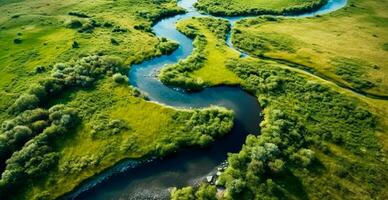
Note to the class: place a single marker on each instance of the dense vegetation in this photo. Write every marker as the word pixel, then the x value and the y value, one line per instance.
pixel 257 7
pixel 205 66
pixel 312 138
pixel 67 113
pixel 32 135
pixel 354 57
pixel 319 140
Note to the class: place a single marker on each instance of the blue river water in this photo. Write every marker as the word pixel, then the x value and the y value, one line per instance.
pixel 152 179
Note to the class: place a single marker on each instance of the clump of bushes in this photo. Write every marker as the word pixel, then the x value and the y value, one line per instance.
pixel 78 14
pixel 204 125
pixel 18 40
pixel 203 192
pixel 114 41
pixel 166 46
pixel 37 156
pixel 74 24
pixel 119 78
pixel 156 15
pixel 81 73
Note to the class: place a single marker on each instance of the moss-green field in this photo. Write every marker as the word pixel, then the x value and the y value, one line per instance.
pixel 67 112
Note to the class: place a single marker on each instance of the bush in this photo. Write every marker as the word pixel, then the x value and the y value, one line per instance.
pixel 119 78
pixel 74 24
pixel 78 14
pixel 17 40
pixel 24 102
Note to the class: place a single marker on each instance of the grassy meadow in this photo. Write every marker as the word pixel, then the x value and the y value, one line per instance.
pixel 348 46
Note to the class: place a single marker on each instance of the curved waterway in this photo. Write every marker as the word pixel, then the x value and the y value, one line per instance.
pixel 151 179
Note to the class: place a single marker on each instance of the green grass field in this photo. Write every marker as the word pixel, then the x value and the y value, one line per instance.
pixel 345 46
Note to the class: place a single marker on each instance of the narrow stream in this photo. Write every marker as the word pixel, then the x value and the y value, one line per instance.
pixel 151 180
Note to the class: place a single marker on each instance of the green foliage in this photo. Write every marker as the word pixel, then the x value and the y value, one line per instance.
pixel 37 155
pixel 119 78
pixel 204 192
pixel 290 132
pixel 78 14
pixel 257 7
pixel 204 125
pixel 74 23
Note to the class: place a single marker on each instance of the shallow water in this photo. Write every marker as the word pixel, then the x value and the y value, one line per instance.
pixel 151 180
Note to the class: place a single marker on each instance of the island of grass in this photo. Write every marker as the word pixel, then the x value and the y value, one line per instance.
pixel 257 7
pixel 206 65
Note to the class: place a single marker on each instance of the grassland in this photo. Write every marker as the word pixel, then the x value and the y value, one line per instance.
pixel 45 37
pixel 346 47
pixel 74 115
pixel 206 65
pixel 321 137
pixel 257 7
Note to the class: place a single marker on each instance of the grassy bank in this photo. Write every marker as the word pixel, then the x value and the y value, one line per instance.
pixel 257 7
pixel 347 46
pixel 206 65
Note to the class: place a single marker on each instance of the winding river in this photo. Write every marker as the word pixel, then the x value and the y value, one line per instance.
pixel 151 179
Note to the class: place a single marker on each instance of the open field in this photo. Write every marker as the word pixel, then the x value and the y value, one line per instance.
pixel 347 46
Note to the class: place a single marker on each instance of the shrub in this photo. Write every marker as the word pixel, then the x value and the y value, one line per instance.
pixel 78 14
pixel 114 41
pixel 75 45
pixel 119 78
pixel 17 40
pixel 74 23
pixel 24 102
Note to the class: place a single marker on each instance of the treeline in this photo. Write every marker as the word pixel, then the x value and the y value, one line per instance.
pixel 226 8
pixel 179 74
pixel 302 119
pixel 203 125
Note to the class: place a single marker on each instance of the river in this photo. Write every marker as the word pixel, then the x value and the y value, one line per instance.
pixel 132 179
